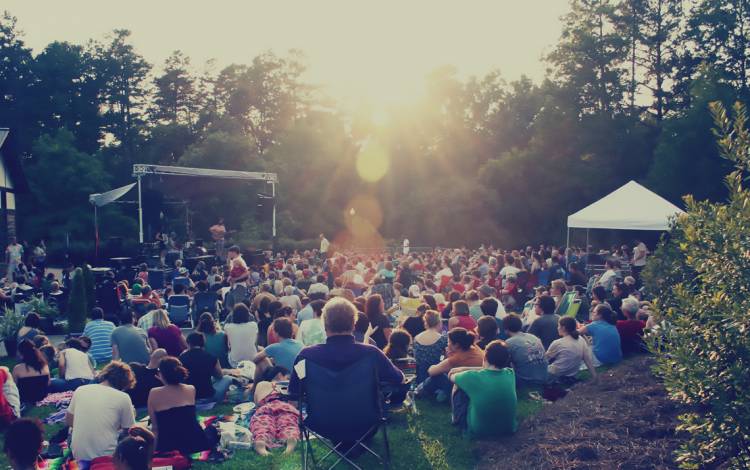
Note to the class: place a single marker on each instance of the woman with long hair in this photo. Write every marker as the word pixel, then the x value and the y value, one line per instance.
pixel 166 335
pixel 375 312
pixel 31 375
pixel 565 355
pixel 216 340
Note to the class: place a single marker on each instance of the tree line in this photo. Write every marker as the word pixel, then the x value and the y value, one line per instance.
pixel 477 160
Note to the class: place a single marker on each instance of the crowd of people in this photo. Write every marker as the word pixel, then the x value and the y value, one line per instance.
pixel 471 328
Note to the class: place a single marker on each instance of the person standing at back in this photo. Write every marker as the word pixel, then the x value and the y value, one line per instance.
pixel 99 331
pixel 218 233
pixel 640 253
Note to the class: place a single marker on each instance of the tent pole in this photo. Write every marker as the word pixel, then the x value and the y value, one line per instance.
pixel 273 214
pixel 567 239
pixel 587 240
pixel 140 212
pixel 96 235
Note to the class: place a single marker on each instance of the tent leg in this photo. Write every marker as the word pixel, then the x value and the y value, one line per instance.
pixel 96 235
pixel 273 214
pixel 567 239
pixel 140 212
pixel 587 240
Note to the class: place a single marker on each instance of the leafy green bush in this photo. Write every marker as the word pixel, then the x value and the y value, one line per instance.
pixel 701 277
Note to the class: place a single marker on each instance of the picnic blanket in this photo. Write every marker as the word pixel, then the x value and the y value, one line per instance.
pixel 56 399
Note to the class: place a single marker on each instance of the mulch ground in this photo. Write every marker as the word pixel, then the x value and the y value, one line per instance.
pixel 623 421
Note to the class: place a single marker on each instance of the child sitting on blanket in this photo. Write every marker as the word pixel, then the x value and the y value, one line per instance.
pixel 275 422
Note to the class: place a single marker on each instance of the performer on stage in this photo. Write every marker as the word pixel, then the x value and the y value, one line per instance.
pixel 218 233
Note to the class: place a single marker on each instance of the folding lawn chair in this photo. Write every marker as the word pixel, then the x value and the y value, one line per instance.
pixel 344 410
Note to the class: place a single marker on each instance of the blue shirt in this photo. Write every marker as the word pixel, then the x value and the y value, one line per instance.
pixel 284 353
pixel 100 334
pixel 305 314
pixel 606 342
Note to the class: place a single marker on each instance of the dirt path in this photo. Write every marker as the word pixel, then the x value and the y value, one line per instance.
pixel 623 421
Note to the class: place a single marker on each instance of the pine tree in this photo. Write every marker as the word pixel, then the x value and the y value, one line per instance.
pixel 588 59
pixel 176 100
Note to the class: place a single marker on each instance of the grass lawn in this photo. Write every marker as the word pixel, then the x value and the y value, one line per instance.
pixel 425 440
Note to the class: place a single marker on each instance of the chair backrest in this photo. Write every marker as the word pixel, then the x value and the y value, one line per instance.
pixel 33 389
pixel 342 405
pixel 179 314
pixel 181 280
pixel 236 295
pixel 573 309
pixel 205 302
pixel 179 300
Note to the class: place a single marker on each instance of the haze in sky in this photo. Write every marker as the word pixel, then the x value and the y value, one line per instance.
pixel 379 51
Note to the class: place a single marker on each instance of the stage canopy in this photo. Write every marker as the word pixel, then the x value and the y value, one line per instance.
pixel 103 199
pixel 631 207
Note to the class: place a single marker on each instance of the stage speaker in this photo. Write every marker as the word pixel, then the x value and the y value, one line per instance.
pixel 171 257
pixel 256 258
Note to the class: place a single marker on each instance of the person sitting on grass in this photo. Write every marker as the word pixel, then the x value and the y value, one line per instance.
pixel 545 327
pixel 165 334
pixel 526 352
pixel 31 327
pixel 99 412
pixel 484 398
pixel 74 366
pixel 461 317
pixel 311 331
pixel 32 374
pixel 282 353
pixel 172 411
pixel 567 353
pixel 146 378
pixel 23 444
pixel 136 451
pixel 99 331
pixel 204 371
pixel 216 340
pixel 488 331
pixel 429 345
pixel 275 421
pixel 397 350
pixel 631 329
pixel 607 348
pixel 461 352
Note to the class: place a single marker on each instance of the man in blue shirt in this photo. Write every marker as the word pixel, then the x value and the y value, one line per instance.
pixel 282 353
pixel 99 331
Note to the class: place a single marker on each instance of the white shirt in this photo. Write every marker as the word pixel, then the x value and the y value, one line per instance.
pixel 99 413
pixel 292 301
pixel 566 355
pixel 507 270
pixel 77 365
pixel 324 244
pixel 406 246
pixel 640 249
pixel 318 288
pixel 607 278
pixel 243 338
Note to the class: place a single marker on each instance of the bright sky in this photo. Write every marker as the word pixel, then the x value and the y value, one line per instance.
pixel 378 51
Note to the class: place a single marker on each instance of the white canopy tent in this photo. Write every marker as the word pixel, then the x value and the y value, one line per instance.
pixel 630 207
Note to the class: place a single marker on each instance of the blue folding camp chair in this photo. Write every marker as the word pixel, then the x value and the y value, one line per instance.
pixel 344 409
pixel 179 310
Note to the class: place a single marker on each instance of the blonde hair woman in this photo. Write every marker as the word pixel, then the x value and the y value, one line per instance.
pixel 166 335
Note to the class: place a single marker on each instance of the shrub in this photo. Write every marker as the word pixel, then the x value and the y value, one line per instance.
pixel 701 277
pixel 77 306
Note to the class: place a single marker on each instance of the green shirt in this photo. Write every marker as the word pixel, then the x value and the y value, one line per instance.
pixel 492 401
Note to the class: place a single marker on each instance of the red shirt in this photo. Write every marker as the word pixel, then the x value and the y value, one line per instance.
pixel 631 334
